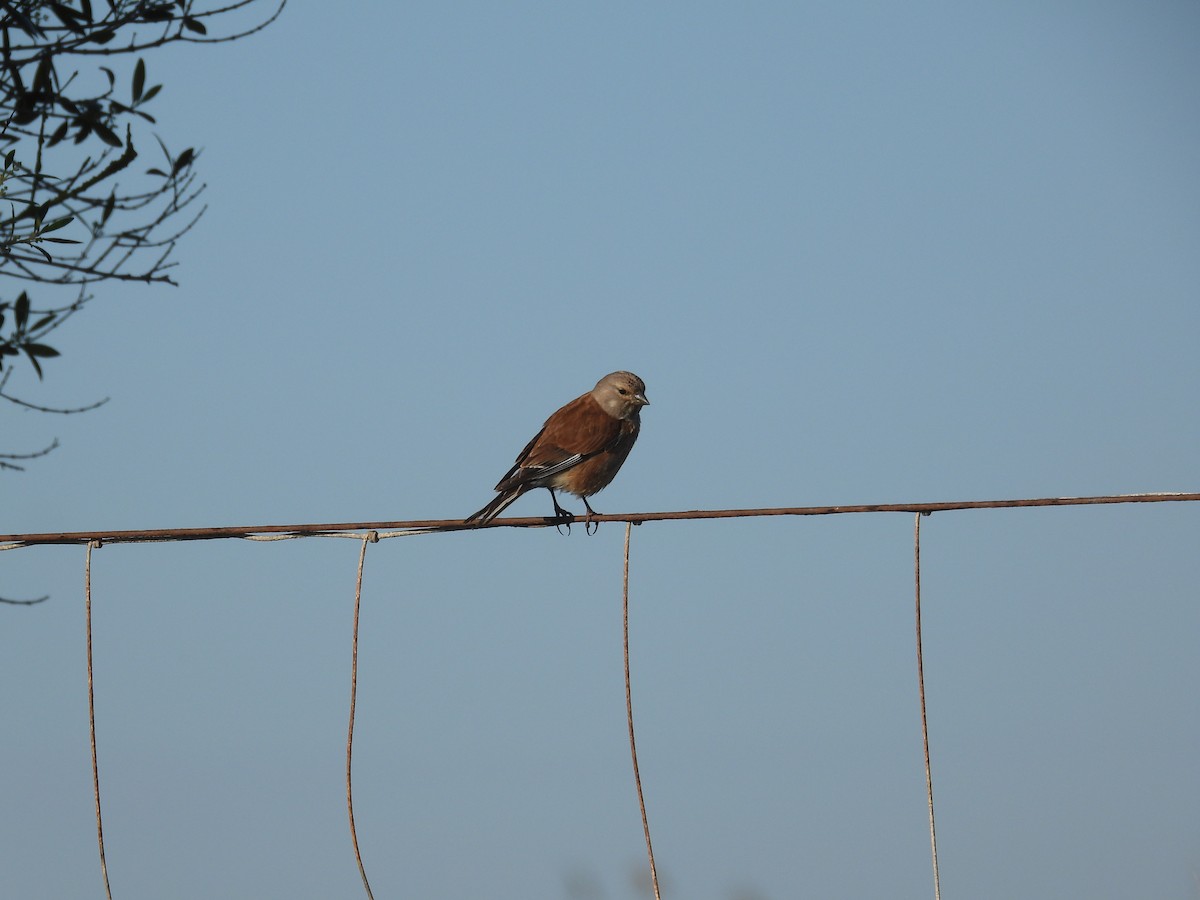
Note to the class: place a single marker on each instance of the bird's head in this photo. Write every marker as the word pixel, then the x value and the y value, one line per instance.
pixel 621 395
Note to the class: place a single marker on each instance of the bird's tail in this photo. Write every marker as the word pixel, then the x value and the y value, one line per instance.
pixel 499 503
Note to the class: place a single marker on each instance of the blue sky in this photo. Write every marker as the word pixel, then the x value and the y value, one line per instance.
pixel 859 253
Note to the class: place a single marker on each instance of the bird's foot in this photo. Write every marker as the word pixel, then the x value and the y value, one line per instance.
pixel 589 527
pixel 561 516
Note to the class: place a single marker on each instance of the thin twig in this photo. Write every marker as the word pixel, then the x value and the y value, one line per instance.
pixel 637 778
pixel 367 539
pixel 937 882
pixel 439 525
pixel 87 605
pixel 34 455
pixel 52 409
pixel 34 602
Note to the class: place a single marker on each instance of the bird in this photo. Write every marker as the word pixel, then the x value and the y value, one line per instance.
pixel 579 450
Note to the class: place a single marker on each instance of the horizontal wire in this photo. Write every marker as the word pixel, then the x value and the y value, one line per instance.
pixel 428 526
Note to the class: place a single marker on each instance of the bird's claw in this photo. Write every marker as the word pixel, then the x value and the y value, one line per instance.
pixel 563 517
pixel 589 527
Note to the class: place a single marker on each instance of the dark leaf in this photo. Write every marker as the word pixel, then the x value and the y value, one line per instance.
pixel 105 134
pixel 21 310
pixel 69 17
pixel 85 8
pixel 59 133
pixel 194 25
pixel 43 322
pixel 183 161
pixel 59 240
pixel 150 93
pixel 109 204
pixel 33 359
pixel 66 104
pixel 156 172
pixel 112 79
pixel 40 350
pixel 58 223
pixel 42 81
pixel 23 21
pixel 103 37
pixel 139 80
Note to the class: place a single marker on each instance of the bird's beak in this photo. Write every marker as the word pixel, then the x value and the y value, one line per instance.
pixel 641 398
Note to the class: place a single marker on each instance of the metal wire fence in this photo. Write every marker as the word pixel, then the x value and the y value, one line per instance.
pixel 372 532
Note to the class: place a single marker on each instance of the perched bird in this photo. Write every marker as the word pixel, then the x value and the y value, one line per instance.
pixel 579 449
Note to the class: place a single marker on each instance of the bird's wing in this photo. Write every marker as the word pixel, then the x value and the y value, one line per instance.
pixel 578 431
pixel 580 428
pixel 510 479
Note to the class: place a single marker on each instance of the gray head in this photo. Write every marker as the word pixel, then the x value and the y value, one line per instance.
pixel 621 395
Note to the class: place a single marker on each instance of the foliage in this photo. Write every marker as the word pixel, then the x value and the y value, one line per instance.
pixel 74 210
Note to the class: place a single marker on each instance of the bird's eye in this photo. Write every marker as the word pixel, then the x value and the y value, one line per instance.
pixel 622 391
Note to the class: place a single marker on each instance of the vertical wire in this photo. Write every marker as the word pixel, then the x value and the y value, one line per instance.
pixel 637 778
pixel 368 538
pixel 937 882
pixel 87 607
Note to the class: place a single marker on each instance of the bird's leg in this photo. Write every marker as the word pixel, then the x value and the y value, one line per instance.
pixel 587 519
pixel 563 516
pixel 559 512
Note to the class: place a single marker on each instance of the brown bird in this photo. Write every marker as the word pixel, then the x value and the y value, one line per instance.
pixel 579 449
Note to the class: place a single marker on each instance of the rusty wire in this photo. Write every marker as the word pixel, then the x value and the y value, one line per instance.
pixel 637 778
pixel 87 607
pixel 424 526
pixel 937 880
pixel 370 537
